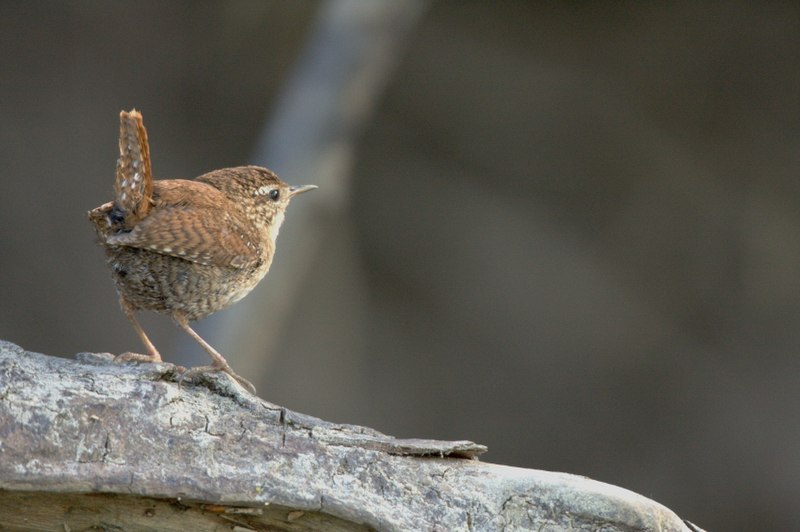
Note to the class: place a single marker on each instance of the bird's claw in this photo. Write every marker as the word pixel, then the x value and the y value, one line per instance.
pixel 138 357
pixel 199 370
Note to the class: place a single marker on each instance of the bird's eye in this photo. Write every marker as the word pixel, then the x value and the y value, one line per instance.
pixel 274 194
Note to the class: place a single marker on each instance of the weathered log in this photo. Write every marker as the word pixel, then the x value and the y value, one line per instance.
pixel 91 443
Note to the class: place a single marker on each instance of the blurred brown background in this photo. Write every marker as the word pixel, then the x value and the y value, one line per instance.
pixel 571 230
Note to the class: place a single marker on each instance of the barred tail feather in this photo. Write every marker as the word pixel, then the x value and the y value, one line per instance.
pixel 133 186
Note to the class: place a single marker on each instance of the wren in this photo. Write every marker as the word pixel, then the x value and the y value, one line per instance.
pixel 187 248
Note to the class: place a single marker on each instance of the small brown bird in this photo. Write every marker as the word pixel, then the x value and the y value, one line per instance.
pixel 187 248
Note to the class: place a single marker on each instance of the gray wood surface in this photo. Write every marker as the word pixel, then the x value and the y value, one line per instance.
pixel 91 443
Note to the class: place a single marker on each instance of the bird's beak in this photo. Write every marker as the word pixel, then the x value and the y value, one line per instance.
pixel 294 191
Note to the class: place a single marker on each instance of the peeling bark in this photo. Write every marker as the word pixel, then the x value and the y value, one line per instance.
pixel 88 442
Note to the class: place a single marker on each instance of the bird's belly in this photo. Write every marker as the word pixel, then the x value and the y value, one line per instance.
pixel 166 284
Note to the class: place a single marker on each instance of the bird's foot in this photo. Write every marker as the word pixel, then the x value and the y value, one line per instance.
pixel 244 383
pixel 152 358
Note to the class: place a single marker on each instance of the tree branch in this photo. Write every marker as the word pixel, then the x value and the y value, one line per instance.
pixel 88 442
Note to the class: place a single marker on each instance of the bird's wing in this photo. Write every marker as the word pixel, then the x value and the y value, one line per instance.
pixel 207 236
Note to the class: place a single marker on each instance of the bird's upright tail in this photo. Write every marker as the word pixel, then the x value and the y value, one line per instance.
pixel 133 186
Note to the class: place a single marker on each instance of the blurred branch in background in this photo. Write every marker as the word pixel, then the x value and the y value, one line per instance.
pixel 311 139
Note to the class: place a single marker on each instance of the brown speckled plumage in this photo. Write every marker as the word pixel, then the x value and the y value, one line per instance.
pixel 187 248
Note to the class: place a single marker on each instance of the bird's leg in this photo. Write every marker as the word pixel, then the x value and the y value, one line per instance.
pixel 152 353
pixel 219 363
